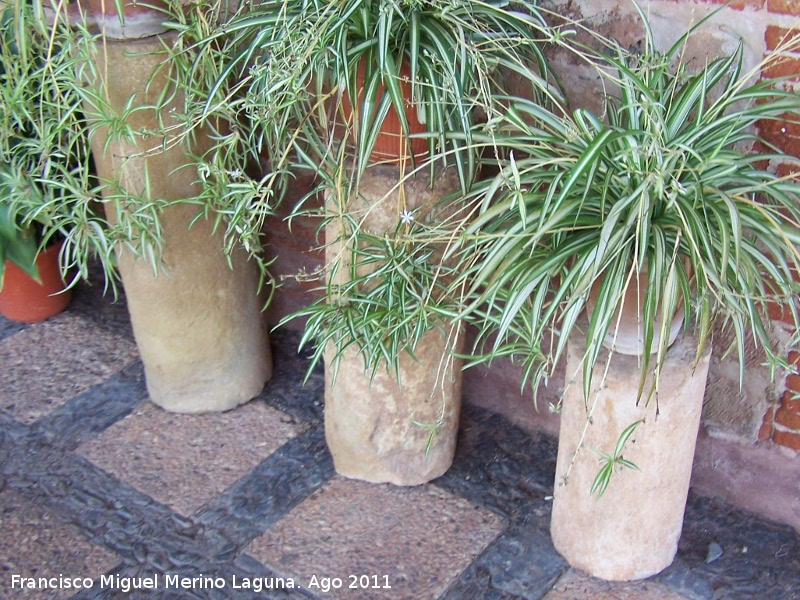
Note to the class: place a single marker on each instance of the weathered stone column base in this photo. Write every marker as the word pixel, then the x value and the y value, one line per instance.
pixel 632 530
pixel 197 321
pixel 379 431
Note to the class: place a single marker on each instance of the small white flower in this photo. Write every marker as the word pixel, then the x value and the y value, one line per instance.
pixel 406 217
pixel 235 173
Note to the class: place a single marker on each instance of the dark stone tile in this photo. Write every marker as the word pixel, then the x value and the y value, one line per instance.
pixel 759 559
pixel 272 489
pixel 521 563
pixel 498 465
pixel 293 389
pixel 9 328
pixel 95 410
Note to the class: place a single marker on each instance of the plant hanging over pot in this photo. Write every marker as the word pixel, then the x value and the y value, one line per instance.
pixel 451 56
pixel 671 186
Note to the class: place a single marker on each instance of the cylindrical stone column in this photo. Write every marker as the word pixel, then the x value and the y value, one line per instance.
pixel 197 322
pixel 379 429
pixel 632 530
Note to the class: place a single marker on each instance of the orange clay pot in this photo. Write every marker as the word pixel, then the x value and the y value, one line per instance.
pixel 25 300
pixel 142 18
pixel 391 145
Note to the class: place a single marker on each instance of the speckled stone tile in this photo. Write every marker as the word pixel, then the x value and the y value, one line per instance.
pixel 417 540
pixel 46 364
pixel 577 585
pixel 36 544
pixel 184 461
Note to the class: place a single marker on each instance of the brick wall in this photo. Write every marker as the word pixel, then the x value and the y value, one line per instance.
pixel 297 252
pixel 781 421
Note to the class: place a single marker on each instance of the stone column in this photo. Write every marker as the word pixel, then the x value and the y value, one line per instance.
pixel 374 429
pixel 197 322
pixel 632 530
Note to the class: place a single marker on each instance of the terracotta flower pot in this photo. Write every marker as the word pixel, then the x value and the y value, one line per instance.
pixel 141 18
pixel 391 145
pixel 25 300
pixel 628 337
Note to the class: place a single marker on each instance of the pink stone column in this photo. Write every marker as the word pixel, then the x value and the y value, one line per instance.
pixel 376 429
pixel 632 530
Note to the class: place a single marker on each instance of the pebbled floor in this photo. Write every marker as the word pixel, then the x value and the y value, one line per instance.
pixel 98 484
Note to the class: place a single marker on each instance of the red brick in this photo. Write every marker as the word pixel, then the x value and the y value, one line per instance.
pixel 784 7
pixel 778 131
pixel 787 439
pixel 779 312
pixel 787 418
pixel 791 401
pixel 787 143
pixel 787 126
pixel 783 66
pixel 793 383
pixel 761 148
pixel 739 4
pixel 765 432
pixel 775 36
pixel 788 169
pixel 304 227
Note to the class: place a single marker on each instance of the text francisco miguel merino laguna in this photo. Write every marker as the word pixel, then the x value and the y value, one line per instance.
pixel 155 582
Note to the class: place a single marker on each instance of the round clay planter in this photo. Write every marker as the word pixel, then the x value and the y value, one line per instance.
pixel 626 335
pixel 141 18
pixel 632 530
pixel 25 300
pixel 391 144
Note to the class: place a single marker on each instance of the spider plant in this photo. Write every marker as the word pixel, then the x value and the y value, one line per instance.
pixel 297 59
pixel 44 157
pixel 221 126
pixel 44 142
pixel 18 245
pixel 672 178
pixel 295 53
pixel 384 292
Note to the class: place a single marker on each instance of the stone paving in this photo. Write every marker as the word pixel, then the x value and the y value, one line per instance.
pixel 97 483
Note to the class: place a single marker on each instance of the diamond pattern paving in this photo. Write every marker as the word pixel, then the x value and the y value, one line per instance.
pixel 49 363
pixel 184 461
pixel 34 543
pixel 252 494
pixel 417 540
